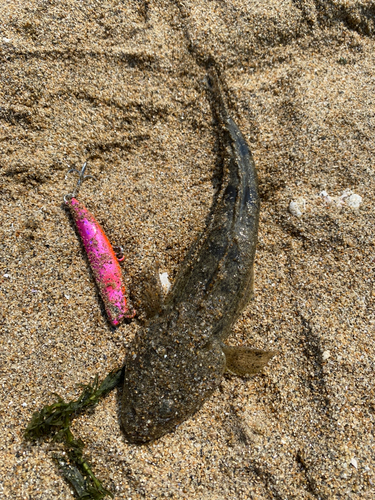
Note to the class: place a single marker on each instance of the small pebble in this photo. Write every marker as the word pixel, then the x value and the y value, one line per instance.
pixel 297 208
pixel 326 355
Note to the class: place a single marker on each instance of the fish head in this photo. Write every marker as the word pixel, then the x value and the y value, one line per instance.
pixel 166 384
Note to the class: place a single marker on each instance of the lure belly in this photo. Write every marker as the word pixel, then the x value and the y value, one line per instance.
pixel 103 262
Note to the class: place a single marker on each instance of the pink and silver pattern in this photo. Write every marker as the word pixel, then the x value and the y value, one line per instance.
pixel 102 259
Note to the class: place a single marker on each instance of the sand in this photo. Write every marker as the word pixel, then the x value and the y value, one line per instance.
pixel 121 85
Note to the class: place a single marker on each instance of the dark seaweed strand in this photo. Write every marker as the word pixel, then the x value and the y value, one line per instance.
pixel 55 420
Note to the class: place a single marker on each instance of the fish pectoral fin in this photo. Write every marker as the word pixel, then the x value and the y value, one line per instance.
pixel 243 361
pixel 151 293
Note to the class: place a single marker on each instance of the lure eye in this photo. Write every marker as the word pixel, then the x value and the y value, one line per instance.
pixel 119 252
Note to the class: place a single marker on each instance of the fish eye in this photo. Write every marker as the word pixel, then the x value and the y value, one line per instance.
pixel 166 408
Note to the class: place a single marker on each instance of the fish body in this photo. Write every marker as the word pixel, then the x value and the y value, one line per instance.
pixel 178 358
pixel 103 262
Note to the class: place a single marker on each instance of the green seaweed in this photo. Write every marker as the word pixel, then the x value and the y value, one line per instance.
pixel 55 420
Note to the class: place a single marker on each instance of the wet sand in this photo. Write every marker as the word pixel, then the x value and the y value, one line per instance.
pixel 121 86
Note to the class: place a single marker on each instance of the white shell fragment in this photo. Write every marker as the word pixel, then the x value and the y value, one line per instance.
pixel 297 207
pixel 346 193
pixel 354 463
pixel 326 197
pixel 350 199
pixel 165 283
pixel 354 200
pixel 347 198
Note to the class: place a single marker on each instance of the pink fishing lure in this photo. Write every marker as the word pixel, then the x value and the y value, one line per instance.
pixel 103 262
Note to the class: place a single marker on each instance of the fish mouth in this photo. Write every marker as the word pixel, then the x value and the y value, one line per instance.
pixel 139 427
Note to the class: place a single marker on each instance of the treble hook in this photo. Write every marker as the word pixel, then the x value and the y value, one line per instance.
pixel 81 178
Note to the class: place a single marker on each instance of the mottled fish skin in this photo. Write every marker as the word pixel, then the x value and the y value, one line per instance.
pixel 177 360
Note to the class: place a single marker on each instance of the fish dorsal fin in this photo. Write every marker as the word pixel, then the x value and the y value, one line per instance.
pixel 243 361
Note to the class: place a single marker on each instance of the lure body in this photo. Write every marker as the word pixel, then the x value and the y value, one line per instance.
pixel 103 262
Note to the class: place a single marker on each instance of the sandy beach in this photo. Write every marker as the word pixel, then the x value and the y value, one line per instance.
pixel 121 85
